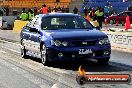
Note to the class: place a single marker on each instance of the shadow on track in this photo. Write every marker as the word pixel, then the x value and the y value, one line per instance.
pixel 88 66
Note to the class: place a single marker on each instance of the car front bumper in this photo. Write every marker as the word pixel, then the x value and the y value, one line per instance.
pixel 72 53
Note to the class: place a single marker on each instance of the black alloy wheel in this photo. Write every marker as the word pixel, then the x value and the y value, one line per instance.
pixel 23 51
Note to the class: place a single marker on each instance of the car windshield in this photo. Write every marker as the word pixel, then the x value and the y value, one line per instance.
pixel 65 22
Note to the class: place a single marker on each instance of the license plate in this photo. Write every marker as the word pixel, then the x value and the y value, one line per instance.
pixel 85 51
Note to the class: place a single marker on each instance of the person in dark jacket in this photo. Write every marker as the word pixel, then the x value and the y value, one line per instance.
pixel 7 10
pixel 67 10
pixel 91 13
pixel 35 10
pixel 99 16
pixel 63 9
pixel 85 10
pixel 24 15
pixel 30 14
pixel 55 9
pixel 1 13
pixel 75 10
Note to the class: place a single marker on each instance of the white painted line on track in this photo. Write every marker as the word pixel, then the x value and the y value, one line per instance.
pixel 11 50
pixel 9 42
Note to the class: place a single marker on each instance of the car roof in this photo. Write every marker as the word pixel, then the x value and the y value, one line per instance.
pixel 58 14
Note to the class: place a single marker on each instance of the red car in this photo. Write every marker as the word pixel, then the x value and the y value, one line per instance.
pixel 120 18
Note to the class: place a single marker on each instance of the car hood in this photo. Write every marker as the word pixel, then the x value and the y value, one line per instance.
pixel 76 34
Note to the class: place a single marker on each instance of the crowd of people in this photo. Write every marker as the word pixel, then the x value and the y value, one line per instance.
pixel 92 15
pixel 97 14
pixel 30 13
pixel 4 10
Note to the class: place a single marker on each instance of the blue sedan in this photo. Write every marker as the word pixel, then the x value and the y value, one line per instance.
pixel 64 37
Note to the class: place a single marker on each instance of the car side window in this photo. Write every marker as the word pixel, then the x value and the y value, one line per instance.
pixel 129 14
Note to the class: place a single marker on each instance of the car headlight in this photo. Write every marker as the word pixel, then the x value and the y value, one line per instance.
pixel 59 43
pixel 104 41
pixel 65 43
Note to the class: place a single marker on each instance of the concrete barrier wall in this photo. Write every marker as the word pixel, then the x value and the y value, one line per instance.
pixel 120 40
pixel 7 20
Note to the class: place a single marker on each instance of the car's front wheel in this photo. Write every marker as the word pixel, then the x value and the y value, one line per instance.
pixel 44 58
pixel 23 51
pixel 103 61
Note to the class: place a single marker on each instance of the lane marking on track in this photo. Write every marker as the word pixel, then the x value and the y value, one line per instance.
pixel 9 42
pixel 15 51
pixel 38 80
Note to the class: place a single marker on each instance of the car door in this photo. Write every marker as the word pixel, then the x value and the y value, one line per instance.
pixel 35 36
pixel 27 35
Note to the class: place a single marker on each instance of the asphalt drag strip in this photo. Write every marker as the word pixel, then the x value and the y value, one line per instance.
pixel 59 75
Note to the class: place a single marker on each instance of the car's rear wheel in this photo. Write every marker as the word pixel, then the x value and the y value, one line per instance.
pixel 23 51
pixel 44 58
pixel 103 61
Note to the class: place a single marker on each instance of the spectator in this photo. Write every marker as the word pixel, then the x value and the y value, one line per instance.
pixel 44 9
pixel 55 9
pixel 85 10
pixel 129 8
pixel 1 13
pixel 99 16
pixel 49 9
pixel 59 9
pixel 75 10
pixel 67 10
pixel 111 10
pixel 7 10
pixel 35 11
pixel 30 14
pixel 23 15
pixel 106 11
pixel 63 9
pixel 91 14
